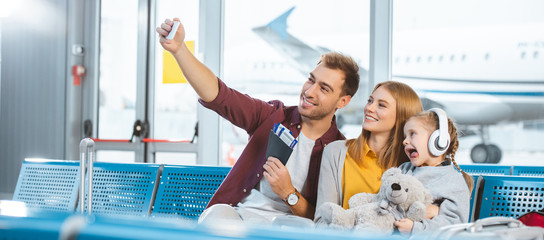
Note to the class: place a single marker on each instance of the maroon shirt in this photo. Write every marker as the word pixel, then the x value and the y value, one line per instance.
pixel 257 118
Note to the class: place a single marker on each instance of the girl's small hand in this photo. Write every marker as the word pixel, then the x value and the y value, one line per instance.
pixel 404 225
pixel 432 211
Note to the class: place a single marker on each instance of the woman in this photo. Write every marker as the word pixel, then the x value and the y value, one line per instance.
pixel 356 165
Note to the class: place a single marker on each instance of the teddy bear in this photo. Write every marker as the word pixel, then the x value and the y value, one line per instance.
pixel 400 196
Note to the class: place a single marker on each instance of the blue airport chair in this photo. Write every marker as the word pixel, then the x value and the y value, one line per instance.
pixel 473 196
pixel 48 185
pixel 123 189
pixel 486 169
pixel 46 225
pixel 534 171
pixel 127 227
pixel 476 170
pixel 97 227
pixel 510 196
pixel 104 227
pixel 185 191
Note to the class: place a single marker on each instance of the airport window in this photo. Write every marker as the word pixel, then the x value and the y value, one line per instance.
pixel 497 99
pixel 345 29
pixel 115 156
pixel 128 94
pixel 118 64
pixel 175 158
pixel 175 102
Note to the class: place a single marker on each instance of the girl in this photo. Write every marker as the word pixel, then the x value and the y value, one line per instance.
pixel 356 165
pixel 427 143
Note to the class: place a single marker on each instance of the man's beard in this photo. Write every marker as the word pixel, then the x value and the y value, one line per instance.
pixel 318 114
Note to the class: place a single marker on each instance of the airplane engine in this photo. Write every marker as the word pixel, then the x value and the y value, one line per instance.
pixel 486 153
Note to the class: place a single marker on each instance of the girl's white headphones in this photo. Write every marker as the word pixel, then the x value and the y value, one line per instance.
pixel 439 141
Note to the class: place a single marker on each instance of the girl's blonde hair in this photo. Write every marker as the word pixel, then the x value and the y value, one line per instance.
pixel 407 104
pixel 431 120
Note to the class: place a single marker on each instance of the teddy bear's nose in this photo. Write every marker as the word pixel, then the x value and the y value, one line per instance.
pixel 395 186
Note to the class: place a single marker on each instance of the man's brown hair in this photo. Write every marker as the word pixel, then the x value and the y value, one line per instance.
pixel 346 64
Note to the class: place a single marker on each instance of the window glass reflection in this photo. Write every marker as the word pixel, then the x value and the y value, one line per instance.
pixel 175 102
pixel 175 158
pixel 486 77
pixel 115 156
pixel 117 81
pixel 262 67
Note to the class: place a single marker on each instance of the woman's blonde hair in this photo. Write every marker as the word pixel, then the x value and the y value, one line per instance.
pixel 431 120
pixel 407 104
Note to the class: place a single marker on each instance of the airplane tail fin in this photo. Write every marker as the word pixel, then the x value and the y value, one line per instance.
pixel 303 56
pixel 279 25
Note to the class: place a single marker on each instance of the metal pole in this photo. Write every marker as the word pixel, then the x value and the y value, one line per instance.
pixel 90 148
pixel 381 29
pixel 82 153
pixel 86 150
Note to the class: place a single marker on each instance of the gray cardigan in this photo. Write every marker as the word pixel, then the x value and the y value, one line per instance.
pixel 447 185
pixel 330 176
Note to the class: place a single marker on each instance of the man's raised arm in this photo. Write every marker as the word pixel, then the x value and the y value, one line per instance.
pixel 201 78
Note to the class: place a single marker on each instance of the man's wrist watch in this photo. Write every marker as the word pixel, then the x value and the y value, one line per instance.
pixel 292 198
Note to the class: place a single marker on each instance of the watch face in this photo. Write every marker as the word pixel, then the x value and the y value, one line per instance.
pixel 292 199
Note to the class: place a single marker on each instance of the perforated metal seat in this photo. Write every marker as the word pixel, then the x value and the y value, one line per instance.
pixel 185 191
pixel 476 170
pixel 486 169
pixel 534 171
pixel 51 185
pixel 123 189
pixel 510 196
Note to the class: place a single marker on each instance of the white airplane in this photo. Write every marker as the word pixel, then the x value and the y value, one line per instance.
pixel 479 79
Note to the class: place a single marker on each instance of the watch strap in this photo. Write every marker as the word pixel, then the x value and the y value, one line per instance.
pixel 286 200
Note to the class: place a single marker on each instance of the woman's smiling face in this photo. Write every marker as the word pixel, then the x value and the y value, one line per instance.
pixel 380 111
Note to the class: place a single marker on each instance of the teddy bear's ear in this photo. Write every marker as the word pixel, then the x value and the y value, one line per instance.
pixel 391 172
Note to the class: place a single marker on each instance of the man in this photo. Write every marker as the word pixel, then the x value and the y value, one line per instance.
pixel 284 190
